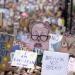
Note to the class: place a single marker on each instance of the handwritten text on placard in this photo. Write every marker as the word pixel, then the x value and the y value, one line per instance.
pixel 24 59
pixel 54 63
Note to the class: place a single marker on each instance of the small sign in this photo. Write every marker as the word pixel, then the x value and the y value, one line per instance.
pixel 71 65
pixel 24 59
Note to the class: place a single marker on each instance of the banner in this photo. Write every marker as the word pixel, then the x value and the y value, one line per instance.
pixel 24 59
pixel 71 66
pixel 6 42
pixel 54 42
pixel 54 63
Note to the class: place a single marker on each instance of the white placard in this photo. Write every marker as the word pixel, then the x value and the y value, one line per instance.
pixel 54 40
pixel 71 65
pixel 54 63
pixel 24 59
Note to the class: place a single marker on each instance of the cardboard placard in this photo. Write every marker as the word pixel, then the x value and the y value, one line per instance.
pixel 1 19
pixel 54 42
pixel 54 63
pixel 6 42
pixel 71 66
pixel 24 59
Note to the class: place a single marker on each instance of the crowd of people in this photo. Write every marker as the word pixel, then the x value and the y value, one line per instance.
pixel 25 13
pixel 20 16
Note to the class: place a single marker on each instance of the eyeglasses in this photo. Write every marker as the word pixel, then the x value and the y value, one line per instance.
pixel 41 37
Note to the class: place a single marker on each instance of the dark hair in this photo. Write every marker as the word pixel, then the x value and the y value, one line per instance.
pixel 71 56
pixel 8 70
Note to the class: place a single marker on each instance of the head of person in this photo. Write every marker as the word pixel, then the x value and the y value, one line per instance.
pixel 39 36
pixel 14 68
pixel 9 72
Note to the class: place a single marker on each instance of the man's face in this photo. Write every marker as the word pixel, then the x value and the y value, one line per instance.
pixel 39 37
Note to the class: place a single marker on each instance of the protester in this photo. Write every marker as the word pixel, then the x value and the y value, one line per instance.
pixel 31 21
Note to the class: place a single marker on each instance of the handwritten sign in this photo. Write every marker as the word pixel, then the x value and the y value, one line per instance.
pixel 6 42
pixel 71 65
pixel 24 59
pixel 54 42
pixel 54 63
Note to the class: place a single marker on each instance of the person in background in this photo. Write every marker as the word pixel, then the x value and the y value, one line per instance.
pixel 9 72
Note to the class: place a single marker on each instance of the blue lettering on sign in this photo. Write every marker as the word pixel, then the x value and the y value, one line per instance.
pixel 24 65
pixel 49 67
pixel 2 37
pixel 9 38
pixel 56 38
pixel 32 62
pixel 23 56
pixel 2 45
pixel 4 52
pixel 54 63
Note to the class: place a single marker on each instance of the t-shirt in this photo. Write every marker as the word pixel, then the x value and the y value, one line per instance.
pixel 47 19
pixel 59 22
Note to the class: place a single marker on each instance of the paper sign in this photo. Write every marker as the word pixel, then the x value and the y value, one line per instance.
pixel 6 42
pixel 54 63
pixel 24 59
pixel 54 42
pixel 71 65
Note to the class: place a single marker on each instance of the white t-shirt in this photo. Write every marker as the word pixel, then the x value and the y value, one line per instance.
pixel 11 13
pixel 47 19
pixel 59 22
pixel 31 7
pixel 53 20
pixel 22 8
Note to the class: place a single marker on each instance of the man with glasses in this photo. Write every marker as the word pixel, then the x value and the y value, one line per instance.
pixel 39 39
pixel 40 36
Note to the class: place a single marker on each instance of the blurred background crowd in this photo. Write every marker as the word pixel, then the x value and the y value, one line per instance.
pixel 19 15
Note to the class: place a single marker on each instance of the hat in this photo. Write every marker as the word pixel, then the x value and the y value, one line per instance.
pixel 24 15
